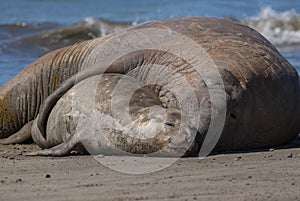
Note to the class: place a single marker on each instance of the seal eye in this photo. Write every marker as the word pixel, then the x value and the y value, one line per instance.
pixel 169 124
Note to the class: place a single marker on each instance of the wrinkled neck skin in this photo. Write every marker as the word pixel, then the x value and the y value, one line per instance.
pixel 17 107
pixel 6 115
pixel 21 97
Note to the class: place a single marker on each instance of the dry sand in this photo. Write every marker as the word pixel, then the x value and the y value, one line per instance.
pixel 263 175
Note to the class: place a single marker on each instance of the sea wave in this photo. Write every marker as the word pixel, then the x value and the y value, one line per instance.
pixel 281 28
pixel 44 37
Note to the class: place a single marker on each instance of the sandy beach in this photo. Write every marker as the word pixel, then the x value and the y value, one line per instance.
pixel 261 175
pixel 30 29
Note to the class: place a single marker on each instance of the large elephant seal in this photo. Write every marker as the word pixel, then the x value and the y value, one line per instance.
pixel 261 87
pixel 101 117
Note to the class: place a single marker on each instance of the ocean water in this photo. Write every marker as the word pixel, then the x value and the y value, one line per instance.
pixel 27 27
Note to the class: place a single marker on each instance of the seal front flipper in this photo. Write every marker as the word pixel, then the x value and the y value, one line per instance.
pixel 21 136
pixel 62 149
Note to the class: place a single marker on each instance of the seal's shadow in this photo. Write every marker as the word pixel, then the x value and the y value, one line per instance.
pixel 291 145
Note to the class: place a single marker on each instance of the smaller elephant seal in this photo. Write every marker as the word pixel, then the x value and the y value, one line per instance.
pixel 114 114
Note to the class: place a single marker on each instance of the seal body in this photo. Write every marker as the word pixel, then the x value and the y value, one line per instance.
pixel 260 86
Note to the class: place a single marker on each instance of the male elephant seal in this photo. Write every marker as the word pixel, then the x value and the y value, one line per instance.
pixel 261 87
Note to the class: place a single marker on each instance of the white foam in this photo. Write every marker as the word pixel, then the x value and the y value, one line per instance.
pixel 90 20
pixel 281 28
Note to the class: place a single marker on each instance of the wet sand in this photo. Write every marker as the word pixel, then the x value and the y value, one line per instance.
pixel 264 175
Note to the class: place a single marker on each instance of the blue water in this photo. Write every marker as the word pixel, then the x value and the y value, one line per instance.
pixel 70 11
pixel 66 12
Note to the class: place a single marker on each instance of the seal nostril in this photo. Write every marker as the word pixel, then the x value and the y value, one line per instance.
pixel 169 124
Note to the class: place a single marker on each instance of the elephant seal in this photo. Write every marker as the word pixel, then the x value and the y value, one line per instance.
pixel 260 86
pixel 101 117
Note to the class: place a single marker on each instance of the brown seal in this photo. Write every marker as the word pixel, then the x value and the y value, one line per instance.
pixel 261 86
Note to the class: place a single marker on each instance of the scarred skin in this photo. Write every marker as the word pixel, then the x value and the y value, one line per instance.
pixel 89 116
pixel 262 88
